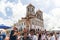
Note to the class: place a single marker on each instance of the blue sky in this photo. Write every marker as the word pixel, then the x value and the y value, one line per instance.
pixel 12 10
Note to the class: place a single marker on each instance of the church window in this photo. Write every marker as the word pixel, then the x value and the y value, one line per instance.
pixel 32 9
pixel 28 9
pixel 32 22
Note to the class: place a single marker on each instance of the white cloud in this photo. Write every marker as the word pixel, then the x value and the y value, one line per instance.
pixel 53 20
pixel 47 3
pixel 1 20
pixel 18 11
pixel 47 21
pixel 7 22
pixel 56 15
pixel 41 4
pixel 2 6
pixel 56 12
pixel 56 3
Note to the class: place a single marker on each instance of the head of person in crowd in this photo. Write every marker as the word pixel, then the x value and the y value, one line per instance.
pixel 25 34
pixel 51 34
pixel 14 28
pixel 54 33
pixel 40 32
pixel 19 33
pixel 58 34
pixel 0 32
pixel 25 30
pixel 45 30
pixel 43 33
pixel 48 35
pixel 32 31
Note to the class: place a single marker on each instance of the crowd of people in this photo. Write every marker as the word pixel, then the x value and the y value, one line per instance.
pixel 30 35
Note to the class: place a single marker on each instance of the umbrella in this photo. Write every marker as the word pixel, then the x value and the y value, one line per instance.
pixel 4 27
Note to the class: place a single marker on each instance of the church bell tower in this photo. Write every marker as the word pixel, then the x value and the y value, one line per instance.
pixel 30 10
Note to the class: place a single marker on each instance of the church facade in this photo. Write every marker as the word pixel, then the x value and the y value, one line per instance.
pixel 33 20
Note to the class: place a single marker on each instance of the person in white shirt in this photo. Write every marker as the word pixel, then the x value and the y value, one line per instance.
pixel 58 36
pixel 53 36
pixel 32 36
pixel 43 37
pixel 48 36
